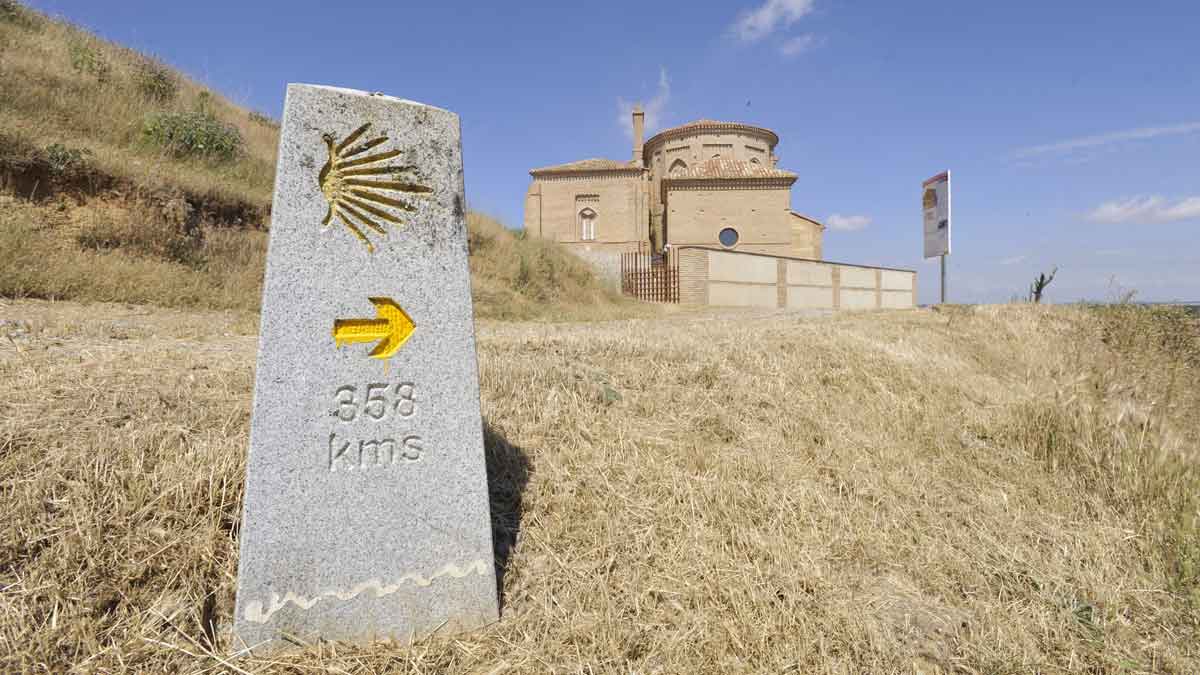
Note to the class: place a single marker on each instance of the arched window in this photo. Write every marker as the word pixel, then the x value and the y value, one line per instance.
pixel 754 160
pixel 678 166
pixel 587 224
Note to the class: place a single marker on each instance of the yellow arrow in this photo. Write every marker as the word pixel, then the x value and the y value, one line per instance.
pixel 392 328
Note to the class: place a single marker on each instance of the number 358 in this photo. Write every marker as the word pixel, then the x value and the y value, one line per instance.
pixel 376 401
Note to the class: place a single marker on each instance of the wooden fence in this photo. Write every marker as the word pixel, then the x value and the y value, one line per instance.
pixel 651 277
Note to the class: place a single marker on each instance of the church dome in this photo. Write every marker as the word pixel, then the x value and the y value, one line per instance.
pixel 706 127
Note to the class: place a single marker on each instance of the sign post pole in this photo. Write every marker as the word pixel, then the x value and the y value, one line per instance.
pixel 943 257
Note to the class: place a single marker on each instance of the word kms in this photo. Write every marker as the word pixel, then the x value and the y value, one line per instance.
pixel 365 454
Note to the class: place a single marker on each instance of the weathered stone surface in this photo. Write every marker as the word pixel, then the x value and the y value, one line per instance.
pixel 366 512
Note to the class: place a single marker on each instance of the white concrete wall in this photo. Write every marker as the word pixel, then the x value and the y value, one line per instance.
pixel 857 277
pixel 897 299
pixel 895 280
pixel 755 269
pixel 809 297
pixel 852 298
pixel 745 280
pixel 809 273
pixel 742 295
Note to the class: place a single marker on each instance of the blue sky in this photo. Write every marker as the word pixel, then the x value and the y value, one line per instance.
pixel 1072 129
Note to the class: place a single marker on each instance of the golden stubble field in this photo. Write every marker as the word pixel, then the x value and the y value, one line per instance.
pixel 978 490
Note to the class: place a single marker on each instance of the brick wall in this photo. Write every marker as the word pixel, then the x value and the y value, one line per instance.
pixel 617 198
pixel 693 276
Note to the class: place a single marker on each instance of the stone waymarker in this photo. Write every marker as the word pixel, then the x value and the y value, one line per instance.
pixel 366 512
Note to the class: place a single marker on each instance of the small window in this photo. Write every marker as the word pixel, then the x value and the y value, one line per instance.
pixel 587 225
pixel 754 160
pixel 728 237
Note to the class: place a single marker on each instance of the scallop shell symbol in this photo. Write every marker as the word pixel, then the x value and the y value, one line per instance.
pixel 362 190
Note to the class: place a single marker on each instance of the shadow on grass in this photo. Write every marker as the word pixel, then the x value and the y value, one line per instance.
pixel 508 474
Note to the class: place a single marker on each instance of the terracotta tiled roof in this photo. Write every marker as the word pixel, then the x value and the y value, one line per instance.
pixel 728 168
pixel 697 123
pixel 587 165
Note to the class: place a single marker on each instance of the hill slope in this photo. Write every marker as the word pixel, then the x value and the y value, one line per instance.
pixel 84 115
pixel 122 180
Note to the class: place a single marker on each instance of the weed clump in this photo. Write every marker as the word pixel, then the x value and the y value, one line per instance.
pixel 193 135
pixel 204 102
pixel 1038 287
pixel 86 59
pixel 62 159
pixel 156 82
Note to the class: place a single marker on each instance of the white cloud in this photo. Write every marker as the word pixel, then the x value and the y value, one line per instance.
pixel 653 108
pixel 849 223
pixel 755 24
pixel 1146 209
pixel 800 44
pixel 1099 140
pixel 1013 260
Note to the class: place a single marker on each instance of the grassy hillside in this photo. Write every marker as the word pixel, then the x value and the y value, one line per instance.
pixel 122 180
pixel 84 115
pixel 517 278
pixel 994 490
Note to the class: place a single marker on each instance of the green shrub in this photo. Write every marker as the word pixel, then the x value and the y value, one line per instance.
pixel 62 158
pixel 193 134
pixel 156 82
pixel 85 59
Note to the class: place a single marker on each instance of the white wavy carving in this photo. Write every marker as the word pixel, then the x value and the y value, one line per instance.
pixel 256 613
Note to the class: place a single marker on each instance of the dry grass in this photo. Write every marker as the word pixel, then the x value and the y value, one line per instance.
pixel 1000 489
pixel 62 85
pixel 518 279
pixel 104 252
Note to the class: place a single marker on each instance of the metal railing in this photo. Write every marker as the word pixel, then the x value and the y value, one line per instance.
pixel 651 277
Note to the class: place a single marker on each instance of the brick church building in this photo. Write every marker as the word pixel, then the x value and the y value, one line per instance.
pixel 703 183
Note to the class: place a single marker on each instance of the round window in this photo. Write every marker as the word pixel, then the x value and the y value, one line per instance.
pixel 728 237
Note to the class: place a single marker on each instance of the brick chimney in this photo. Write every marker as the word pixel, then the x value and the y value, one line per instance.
pixel 639 125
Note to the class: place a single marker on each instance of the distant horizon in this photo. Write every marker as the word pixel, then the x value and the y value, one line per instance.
pixel 1181 303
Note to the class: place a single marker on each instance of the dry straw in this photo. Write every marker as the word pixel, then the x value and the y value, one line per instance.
pixel 1007 489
